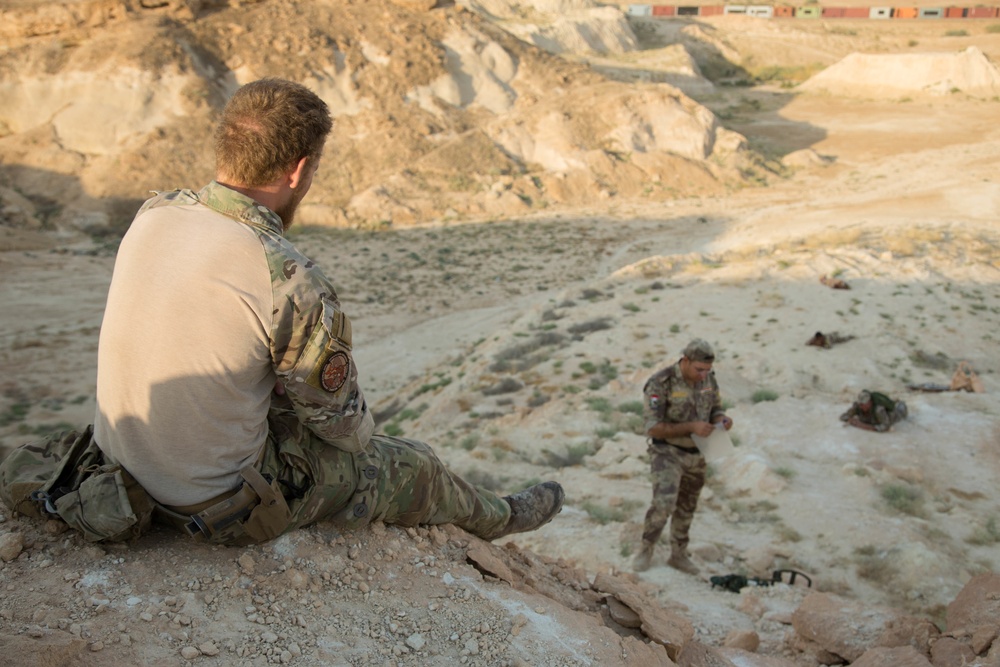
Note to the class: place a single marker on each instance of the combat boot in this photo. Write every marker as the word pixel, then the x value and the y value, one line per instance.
pixel 532 508
pixel 679 560
pixel 644 558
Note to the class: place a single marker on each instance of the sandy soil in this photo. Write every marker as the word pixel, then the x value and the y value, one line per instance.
pixel 574 309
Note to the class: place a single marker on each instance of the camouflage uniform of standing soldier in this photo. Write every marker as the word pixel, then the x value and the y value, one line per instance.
pixel 226 383
pixel 681 400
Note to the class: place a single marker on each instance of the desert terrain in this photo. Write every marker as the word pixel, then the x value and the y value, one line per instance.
pixel 528 208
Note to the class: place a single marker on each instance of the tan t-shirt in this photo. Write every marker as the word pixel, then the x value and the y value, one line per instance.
pixel 184 366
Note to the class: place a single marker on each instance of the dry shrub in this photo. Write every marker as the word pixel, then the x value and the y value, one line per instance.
pixel 937 361
pixel 528 354
pixel 875 565
pixel 771 300
pixel 590 326
pixel 507 385
pixel 834 238
pixel 502 444
pixel 655 267
pixel 907 242
pixel 904 498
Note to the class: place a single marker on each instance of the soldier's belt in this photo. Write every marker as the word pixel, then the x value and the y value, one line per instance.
pixel 686 450
pixel 211 520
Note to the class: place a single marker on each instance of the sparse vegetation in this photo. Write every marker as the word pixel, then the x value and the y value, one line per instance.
pixel 590 326
pixel 574 455
pixel 784 471
pixel 444 381
pixel 524 356
pixel 904 498
pixel 15 413
pixel 987 534
pixel 788 534
pixel 874 564
pixel 632 407
pixel 762 395
pixel 762 511
pixel 603 514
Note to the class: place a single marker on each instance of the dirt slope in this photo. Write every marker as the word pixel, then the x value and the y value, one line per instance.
pixel 438 113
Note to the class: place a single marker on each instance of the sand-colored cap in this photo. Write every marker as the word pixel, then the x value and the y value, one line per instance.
pixel 864 397
pixel 699 350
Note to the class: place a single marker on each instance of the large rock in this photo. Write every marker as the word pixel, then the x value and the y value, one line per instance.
pixel 950 652
pixel 903 656
pixel 848 629
pixel 661 626
pixel 973 624
pixel 976 606
pixel 696 654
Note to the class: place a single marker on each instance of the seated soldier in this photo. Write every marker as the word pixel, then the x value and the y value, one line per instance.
pixel 874 411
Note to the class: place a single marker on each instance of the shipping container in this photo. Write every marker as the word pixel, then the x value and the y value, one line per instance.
pixel 982 12
pixel 784 12
pixel 856 12
pixel 955 12
pixel 930 13
pixel 663 10
pixel 712 10
pixel 832 12
pixel 904 13
pixel 640 10
pixel 735 9
pixel 760 11
pixel 880 13
pixel 687 11
pixel 807 13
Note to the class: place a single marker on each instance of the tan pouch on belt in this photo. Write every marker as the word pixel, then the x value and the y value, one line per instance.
pixel 271 517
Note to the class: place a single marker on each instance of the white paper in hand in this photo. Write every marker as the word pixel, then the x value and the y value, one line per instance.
pixel 716 446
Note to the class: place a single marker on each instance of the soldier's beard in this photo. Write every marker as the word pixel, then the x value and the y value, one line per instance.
pixel 287 212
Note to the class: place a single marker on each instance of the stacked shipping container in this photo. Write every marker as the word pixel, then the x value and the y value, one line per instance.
pixel 814 11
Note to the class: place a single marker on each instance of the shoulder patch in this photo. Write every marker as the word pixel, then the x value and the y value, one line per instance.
pixel 335 372
pixel 654 401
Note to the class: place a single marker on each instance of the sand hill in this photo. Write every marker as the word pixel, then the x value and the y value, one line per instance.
pixel 522 124
pixel 882 75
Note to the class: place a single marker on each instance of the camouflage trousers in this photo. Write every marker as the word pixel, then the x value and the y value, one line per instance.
pixel 678 478
pixel 395 480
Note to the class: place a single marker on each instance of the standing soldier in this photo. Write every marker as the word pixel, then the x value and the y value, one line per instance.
pixel 681 400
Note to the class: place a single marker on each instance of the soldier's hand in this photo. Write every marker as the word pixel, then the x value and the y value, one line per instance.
pixel 704 429
pixel 857 423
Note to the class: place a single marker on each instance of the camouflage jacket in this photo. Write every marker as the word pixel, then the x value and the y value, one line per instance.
pixel 881 416
pixel 668 398
pixel 310 337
